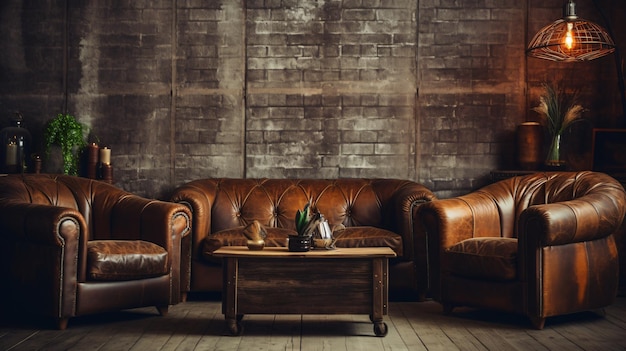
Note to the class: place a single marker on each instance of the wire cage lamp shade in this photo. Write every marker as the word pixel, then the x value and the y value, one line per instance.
pixel 571 39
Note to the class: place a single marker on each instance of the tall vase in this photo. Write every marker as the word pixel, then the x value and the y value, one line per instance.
pixel 554 160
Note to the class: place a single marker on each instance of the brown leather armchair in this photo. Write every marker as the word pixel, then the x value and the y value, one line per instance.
pixel 74 246
pixel 539 245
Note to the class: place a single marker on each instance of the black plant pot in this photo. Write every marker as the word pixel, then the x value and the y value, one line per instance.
pixel 299 243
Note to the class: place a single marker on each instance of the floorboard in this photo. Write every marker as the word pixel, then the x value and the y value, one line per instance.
pixel 198 325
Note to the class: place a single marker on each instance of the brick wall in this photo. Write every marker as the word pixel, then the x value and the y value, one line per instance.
pixel 210 79
pixel 330 89
pixel 184 89
pixel 119 85
pixel 472 85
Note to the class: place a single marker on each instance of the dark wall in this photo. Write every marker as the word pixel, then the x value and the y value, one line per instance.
pixel 184 89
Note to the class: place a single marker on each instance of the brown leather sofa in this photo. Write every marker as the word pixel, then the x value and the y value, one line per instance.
pixel 74 246
pixel 375 212
pixel 539 245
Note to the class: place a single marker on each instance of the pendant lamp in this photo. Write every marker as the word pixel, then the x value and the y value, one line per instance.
pixel 571 39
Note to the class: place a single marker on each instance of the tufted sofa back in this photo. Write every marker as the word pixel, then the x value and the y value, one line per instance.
pixel 274 202
pixel 511 197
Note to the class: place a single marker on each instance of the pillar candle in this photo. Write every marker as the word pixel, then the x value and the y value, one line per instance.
pixel 92 161
pixel 92 155
pixel 37 163
pixel 107 173
pixel 105 156
pixel 11 155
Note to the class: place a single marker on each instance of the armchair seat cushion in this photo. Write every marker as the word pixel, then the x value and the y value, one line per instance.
pixel 484 258
pixel 116 260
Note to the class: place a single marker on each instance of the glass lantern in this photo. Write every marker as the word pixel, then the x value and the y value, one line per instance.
pixel 15 146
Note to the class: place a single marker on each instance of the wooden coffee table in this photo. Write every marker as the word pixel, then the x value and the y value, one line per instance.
pixel 277 281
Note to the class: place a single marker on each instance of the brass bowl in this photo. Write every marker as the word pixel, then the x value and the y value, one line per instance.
pixel 256 245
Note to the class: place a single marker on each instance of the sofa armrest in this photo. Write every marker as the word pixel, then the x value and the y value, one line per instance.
pixel 198 197
pixel 406 200
pixel 41 246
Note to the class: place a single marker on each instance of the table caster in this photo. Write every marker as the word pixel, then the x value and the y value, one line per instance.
pixel 380 329
pixel 234 327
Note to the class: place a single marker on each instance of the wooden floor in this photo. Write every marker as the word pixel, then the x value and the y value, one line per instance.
pixel 199 325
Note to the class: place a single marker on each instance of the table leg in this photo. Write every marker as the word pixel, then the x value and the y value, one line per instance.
pixel 379 303
pixel 229 297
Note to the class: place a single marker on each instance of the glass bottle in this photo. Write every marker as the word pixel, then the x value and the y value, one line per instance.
pixel 15 144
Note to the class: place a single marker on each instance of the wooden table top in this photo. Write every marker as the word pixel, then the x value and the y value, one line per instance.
pixel 283 252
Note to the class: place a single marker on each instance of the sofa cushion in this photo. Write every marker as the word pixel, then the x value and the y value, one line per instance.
pixel 484 258
pixel 365 236
pixel 349 237
pixel 113 260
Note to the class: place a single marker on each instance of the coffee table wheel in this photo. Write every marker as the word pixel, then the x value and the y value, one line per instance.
pixel 234 327
pixel 380 329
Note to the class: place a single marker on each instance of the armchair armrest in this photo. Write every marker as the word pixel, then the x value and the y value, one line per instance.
pixel 41 246
pixel 569 221
pixel 450 221
pixel 163 223
pixel 176 219
pixel 40 224
pixel 554 238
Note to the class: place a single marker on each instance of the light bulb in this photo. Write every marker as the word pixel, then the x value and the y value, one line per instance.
pixel 569 37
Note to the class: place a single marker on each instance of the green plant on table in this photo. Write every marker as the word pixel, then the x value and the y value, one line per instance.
pixel 307 220
pixel 64 130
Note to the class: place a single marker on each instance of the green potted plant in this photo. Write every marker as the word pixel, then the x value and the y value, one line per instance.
pixel 306 221
pixel 64 130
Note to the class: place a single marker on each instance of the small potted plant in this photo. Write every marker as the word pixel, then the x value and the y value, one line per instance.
pixel 65 131
pixel 307 221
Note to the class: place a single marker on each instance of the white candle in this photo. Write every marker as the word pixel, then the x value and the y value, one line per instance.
pixel 11 156
pixel 105 155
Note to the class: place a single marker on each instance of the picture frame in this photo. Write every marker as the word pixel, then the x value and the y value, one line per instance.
pixel 609 150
